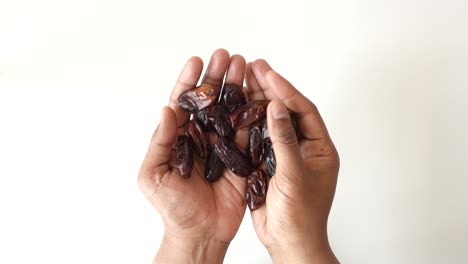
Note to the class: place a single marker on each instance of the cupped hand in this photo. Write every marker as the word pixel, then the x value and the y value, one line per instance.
pixel 292 223
pixel 200 218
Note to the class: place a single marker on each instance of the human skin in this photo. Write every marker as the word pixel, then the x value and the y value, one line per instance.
pixel 292 224
pixel 201 218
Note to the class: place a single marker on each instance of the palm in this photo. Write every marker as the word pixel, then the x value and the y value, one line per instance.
pixel 198 207
pixel 190 207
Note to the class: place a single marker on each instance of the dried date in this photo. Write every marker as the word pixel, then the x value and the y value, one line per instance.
pixel 249 113
pixel 270 159
pixel 200 142
pixel 218 116
pixel 184 156
pixel 232 97
pixel 256 149
pixel 202 118
pixel 199 98
pixel 213 167
pixel 232 157
pixel 256 189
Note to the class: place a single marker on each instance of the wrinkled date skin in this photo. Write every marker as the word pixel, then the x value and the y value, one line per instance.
pixel 202 118
pixel 184 156
pixel 270 159
pixel 249 113
pixel 256 149
pixel 256 189
pixel 218 116
pixel 231 156
pixel 213 167
pixel 199 98
pixel 232 97
pixel 200 142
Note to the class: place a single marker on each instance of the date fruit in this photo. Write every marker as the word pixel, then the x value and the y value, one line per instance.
pixel 232 157
pixel 255 146
pixel 249 113
pixel 202 118
pixel 200 142
pixel 213 167
pixel 256 189
pixel 232 97
pixel 199 98
pixel 184 156
pixel 270 159
pixel 218 116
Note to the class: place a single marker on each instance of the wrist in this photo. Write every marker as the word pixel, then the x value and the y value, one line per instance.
pixel 185 250
pixel 302 251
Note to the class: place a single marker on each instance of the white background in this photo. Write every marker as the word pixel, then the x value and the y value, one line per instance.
pixel 82 84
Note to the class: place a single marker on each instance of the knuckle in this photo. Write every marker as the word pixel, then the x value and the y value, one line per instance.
pixel 313 107
pixel 148 183
pixel 142 180
pixel 145 177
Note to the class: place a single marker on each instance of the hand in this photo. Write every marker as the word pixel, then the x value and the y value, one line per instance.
pixel 200 218
pixel 293 222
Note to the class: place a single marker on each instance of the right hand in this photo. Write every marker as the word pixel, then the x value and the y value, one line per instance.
pixel 200 218
pixel 292 224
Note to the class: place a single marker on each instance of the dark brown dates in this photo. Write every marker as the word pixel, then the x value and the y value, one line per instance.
pixel 226 115
pixel 231 156
pixel 255 146
pixel 249 113
pixel 202 118
pixel 256 189
pixel 199 98
pixel 184 156
pixel 213 167
pixel 270 159
pixel 200 142
pixel 218 117
pixel 232 97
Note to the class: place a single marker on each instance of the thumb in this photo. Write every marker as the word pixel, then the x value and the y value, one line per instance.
pixel 159 150
pixel 161 142
pixel 283 137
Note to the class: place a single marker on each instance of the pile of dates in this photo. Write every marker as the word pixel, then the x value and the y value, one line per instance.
pixel 224 113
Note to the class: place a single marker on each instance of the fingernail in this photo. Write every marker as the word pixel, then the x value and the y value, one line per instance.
pixel 279 111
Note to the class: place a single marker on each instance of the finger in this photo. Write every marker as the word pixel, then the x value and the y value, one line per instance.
pixel 254 90
pixel 187 80
pixel 260 68
pixel 288 157
pixel 162 140
pixel 236 70
pixel 219 63
pixel 235 75
pixel 275 86
pixel 283 138
pixel 309 120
